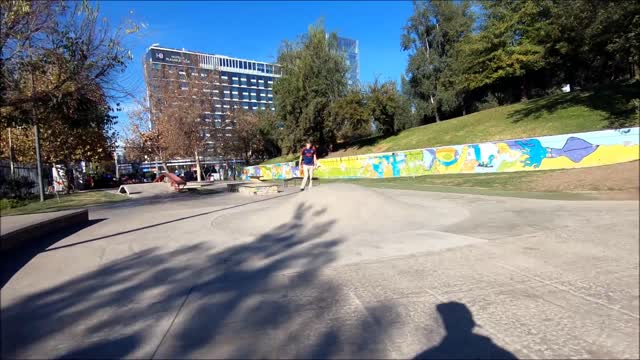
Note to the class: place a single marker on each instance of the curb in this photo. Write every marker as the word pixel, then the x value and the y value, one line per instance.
pixel 34 232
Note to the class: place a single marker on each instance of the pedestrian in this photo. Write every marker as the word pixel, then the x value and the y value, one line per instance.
pixel 308 161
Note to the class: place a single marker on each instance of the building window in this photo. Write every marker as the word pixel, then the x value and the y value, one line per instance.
pixel 260 67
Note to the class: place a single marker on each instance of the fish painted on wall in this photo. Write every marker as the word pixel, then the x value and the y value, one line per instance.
pixel 574 148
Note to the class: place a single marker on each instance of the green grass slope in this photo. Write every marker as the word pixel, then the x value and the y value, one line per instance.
pixel 606 107
pixel 64 202
pixel 613 106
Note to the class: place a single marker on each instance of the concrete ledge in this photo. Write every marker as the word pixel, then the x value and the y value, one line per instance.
pixel 24 229
pixel 145 189
pixel 198 184
pixel 258 189
pixel 234 186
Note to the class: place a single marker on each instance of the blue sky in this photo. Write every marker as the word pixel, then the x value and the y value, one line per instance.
pixel 255 29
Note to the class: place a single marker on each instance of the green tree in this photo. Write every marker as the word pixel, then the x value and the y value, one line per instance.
pixel 386 106
pixel 313 78
pixel 591 42
pixel 269 133
pixel 430 36
pixel 350 117
pixel 508 47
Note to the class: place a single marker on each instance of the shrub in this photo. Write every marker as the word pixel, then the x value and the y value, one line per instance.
pixel 20 188
pixel 11 203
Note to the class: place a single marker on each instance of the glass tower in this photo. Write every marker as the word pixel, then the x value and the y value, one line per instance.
pixel 350 48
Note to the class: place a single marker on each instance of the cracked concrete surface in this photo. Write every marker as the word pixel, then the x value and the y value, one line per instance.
pixel 337 272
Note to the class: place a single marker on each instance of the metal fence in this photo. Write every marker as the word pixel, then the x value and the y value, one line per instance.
pixel 29 171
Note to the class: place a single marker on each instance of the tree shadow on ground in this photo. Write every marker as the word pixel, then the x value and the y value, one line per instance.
pixel 615 100
pixel 172 221
pixel 12 261
pixel 460 342
pixel 262 298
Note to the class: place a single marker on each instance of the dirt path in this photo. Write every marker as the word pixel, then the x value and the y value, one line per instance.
pixel 614 182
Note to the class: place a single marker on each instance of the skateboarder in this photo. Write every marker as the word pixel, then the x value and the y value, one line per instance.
pixel 308 161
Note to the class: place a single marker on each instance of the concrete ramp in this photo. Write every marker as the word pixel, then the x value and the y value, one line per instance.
pixel 145 190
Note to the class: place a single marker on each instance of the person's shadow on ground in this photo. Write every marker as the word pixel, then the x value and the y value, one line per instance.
pixel 460 342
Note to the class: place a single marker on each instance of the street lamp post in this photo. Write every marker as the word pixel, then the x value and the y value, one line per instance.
pixel 115 156
pixel 36 129
pixel 11 155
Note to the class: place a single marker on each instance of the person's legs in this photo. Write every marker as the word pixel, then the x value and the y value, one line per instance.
pixel 310 171
pixel 305 168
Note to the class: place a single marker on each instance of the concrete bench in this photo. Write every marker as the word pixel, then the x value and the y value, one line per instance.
pixel 254 188
pixel 233 187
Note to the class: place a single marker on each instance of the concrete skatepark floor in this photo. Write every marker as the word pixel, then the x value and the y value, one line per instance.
pixel 338 271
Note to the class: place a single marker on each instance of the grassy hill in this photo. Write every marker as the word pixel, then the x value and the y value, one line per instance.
pixel 607 107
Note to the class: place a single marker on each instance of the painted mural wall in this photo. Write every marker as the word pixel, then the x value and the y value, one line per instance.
pixel 540 153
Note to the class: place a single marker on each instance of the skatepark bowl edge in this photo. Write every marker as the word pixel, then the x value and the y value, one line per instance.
pixel 338 271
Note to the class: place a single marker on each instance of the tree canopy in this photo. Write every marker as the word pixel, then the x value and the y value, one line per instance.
pixel 314 76
pixel 57 65
pixel 462 52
